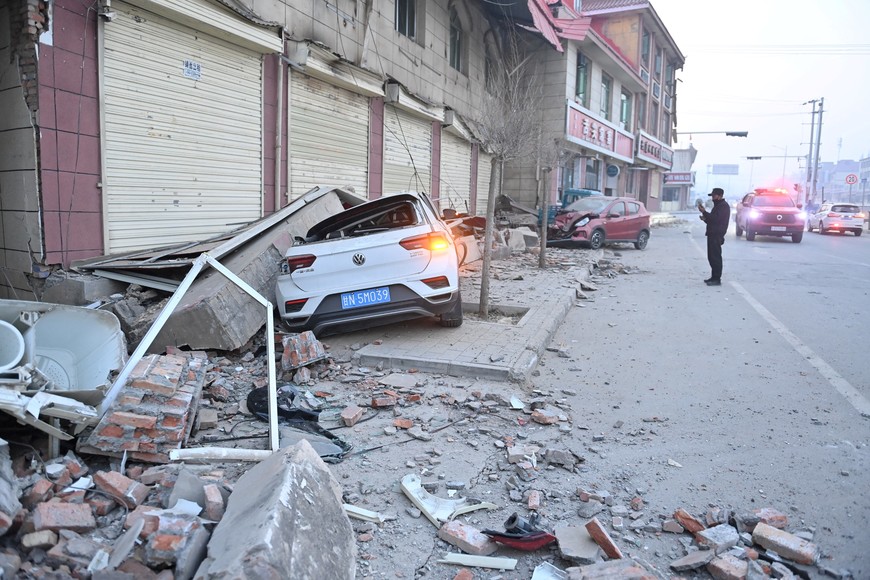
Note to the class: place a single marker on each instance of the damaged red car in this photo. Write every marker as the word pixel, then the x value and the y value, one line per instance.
pixel 595 221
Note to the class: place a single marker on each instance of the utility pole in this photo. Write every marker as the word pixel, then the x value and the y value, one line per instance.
pixel 818 146
pixel 809 181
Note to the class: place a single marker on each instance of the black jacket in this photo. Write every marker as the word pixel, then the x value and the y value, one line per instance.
pixel 717 219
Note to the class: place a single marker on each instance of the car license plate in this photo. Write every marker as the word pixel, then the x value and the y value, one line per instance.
pixel 362 298
pixel 777 228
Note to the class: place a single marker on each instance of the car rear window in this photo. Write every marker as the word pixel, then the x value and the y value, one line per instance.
pixel 845 208
pixel 773 201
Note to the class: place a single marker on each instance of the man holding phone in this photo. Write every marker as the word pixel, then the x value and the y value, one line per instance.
pixel 717 225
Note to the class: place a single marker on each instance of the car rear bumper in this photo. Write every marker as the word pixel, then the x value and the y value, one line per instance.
pixel 405 304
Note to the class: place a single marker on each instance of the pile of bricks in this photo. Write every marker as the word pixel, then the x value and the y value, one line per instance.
pixel 154 413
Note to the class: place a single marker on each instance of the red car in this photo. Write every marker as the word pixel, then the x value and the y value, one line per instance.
pixel 594 221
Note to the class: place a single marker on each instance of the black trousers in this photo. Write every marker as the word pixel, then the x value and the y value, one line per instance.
pixel 714 256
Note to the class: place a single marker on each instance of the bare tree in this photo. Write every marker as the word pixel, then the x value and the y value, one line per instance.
pixel 509 129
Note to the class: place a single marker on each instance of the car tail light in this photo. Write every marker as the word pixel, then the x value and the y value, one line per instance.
pixel 834 215
pixel 297 262
pixel 439 282
pixel 295 305
pixel 754 214
pixel 434 242
pixel 859 215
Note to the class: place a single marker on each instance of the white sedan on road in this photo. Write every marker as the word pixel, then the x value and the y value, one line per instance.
pixel 383 261
pixel 837 217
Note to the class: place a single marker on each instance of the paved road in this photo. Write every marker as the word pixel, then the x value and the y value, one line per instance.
pixel 758 389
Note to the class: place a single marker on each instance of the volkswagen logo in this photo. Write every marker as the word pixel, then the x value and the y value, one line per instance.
pixel 359 259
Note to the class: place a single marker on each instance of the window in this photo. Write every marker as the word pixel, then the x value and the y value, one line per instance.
pixel 658 68
pixel 568 174
pixel 455 52
pixel 582 81
pixel 406 18
pixel 592 169
pixel 671 194
pixel 625 111
pixel 644 49
pixel 633 208
pixel 670 71
pixel 606 95
pixel 618 208
pixel 654 120
pixel 630 180
pixel 641 112
pixel 666 127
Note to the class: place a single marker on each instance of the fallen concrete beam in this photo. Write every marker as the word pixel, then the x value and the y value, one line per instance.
pixel 284 519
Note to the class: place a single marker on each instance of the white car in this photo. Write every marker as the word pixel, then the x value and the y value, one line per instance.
pixel 837 217
pixel 383 261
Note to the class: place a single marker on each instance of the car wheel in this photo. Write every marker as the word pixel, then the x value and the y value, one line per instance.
pixel 796 238
pixel 596 240
pixel 809 226
pixel 857 233
pixel 453 319
pixel 642 239
pixel 738 230
pixel 822 229
pixel 750 236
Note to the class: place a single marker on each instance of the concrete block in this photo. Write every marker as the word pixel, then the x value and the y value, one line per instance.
pixel 626 569
pixel 56 516
pixel 720 538
pixel 214 502
pixel 206 418
pixel 602 538
pixel 785 544
pixel 281 514
pixel 693 561
pixel 467 538
pixel 43 539
pixel 727 567
pixel 576 545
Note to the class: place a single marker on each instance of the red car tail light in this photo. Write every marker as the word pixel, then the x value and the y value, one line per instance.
pixel 297 262
pixel 435 283
pixel 434 242
pixel 834 215
pixel 295 305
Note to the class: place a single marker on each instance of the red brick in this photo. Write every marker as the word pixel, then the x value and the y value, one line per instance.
pixel 133 420
pixel 131 493
pixel 130 399
pixel 688 521
pixel 101 505
pixel 636 503
pixel 351 415
pixel 77 496
pixel 602 538
pixel 382 402
pixel 6 522
pixel 785 544
pixel 214 502
pixel 150 457
pixel 772 517
pixel 402 423
pixel 464 574
pixel 149 515
pixel 172 421
pixel 468 539
pixel 57 516
pixel 166 542
pixel 534 500
pixel 545 417
pixel 413 398
pixel 41 491
pixel 728 567
pixel 76 468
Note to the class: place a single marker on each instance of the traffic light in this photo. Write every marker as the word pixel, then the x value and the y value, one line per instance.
pixel 737 133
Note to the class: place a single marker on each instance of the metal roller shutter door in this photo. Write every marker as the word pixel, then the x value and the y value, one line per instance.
pixel 329 136
pixel 407 152
pixel 455 173
pixel 182 155
pixel 484 173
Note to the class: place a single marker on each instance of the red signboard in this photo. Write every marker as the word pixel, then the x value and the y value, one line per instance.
pixel 598 135
pixel 678 177
pixel 654 151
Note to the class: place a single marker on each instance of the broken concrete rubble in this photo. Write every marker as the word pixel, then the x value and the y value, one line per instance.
pixel 285 519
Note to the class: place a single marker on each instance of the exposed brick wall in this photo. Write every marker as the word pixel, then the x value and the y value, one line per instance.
pixel 69 135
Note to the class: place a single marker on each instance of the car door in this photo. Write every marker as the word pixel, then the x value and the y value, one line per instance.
pixel 635 221
pixel 614 221
pixel 820 213
pixel 743 209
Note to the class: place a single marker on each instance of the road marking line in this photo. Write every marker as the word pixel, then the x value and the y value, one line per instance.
pixel 856 399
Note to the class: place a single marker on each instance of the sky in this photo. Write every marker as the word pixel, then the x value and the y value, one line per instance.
pixel 749 67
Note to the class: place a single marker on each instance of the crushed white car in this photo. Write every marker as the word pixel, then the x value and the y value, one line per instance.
pixel 384 261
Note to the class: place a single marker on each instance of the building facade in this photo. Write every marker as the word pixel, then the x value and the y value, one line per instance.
pixel 136 124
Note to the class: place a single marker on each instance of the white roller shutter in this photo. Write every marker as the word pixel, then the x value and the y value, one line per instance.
pixel 484 172
pixel 182 143
pixel 407 152
pixel 329 136
pixel 455 173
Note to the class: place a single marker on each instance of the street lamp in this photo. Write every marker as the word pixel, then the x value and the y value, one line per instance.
pixel 726 133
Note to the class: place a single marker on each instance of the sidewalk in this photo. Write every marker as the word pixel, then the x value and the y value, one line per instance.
pixel 532 304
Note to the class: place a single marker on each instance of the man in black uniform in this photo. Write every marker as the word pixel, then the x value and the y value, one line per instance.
pixel 717 224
